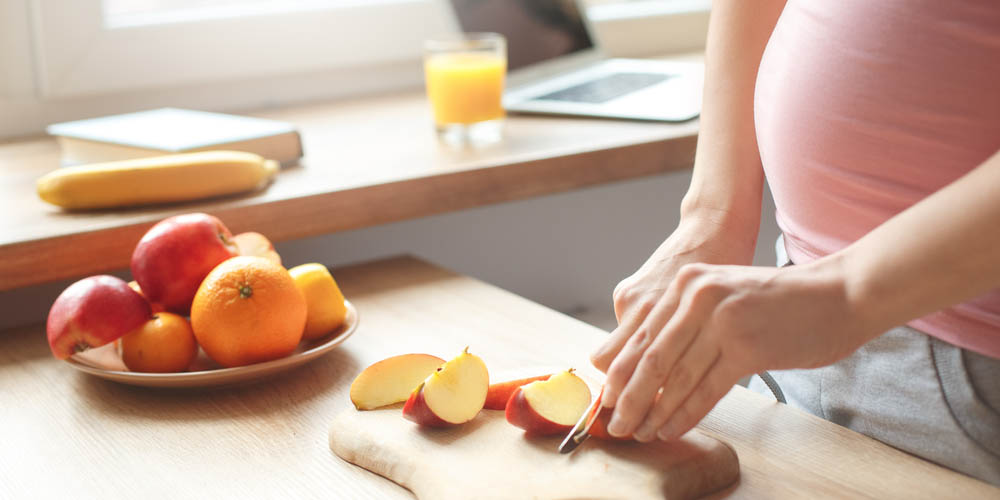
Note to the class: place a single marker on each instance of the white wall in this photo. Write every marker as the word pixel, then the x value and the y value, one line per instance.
pixel 566 251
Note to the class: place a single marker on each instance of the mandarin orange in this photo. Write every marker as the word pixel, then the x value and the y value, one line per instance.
pixel 163 344
pixel 248 310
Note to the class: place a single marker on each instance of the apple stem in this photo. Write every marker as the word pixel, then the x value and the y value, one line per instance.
pixel 571 370
pixel 80 346
pixel 466 350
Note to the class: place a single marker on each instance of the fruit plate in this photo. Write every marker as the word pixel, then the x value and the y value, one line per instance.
pixel 106 363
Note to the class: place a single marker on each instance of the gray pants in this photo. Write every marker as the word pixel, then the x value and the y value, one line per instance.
pixel 913 392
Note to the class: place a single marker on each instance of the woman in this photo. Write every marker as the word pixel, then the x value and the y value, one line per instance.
pixel 877 125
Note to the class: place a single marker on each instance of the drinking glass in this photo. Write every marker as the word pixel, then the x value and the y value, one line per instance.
pixel 464 74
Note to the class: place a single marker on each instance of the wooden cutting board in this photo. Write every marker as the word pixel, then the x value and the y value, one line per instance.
pixel 489 458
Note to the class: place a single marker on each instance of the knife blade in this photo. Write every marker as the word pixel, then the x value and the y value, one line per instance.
pixel 581 431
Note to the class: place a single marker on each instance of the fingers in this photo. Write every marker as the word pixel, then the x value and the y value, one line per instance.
pixel 604 355
pixel 716 384
pixel 644 372
pixel 655 364
pixel 619 358
pixel 686 374
pixel 625 363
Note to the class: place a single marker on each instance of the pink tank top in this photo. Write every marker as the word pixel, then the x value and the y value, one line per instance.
pixel 865 107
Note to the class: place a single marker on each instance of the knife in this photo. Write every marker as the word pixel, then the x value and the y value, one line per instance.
pixel 581 431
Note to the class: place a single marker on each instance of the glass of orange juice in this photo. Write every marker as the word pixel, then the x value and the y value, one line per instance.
pixel 464 74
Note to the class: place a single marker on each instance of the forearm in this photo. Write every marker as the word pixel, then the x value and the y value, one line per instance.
pixel 939 252
pixel 728 179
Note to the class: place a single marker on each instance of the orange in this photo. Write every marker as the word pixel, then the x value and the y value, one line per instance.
pixel 163 344
pixel 248 310
pixel 324 302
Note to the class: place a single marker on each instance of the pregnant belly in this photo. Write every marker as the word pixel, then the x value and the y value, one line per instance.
pixel 864 108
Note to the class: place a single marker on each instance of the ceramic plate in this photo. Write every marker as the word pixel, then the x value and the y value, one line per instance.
pixel 106 363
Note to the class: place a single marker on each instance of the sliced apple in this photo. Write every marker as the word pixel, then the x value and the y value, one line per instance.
pixel 452 395
pixel 499 393
pixel 391 380
pixel 257 245
pixel 599 429
pixel 551 406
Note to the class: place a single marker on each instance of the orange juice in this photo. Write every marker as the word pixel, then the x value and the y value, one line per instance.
pixel 465 87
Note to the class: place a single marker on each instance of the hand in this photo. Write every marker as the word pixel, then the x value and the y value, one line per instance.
pixel 715 324
pixel 698 238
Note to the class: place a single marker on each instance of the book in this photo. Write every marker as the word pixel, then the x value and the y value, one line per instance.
pixel 171 130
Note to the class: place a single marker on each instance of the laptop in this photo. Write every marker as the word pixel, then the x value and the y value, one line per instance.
pixel 554 66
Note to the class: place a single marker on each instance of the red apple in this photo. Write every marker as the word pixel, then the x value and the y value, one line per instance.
pixel 256 244
pixel 176 254
pixel 499 393
pixel 551 406
pixel 601 417
pixel 599 429
pixel 452 395
pixel 391 380
pixel 93 312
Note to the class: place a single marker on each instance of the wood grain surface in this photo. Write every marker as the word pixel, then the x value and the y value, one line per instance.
pixel 367 161
pixel 66 434
pixel 489 458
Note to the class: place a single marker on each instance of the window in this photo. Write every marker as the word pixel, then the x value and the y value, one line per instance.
pixel 70 59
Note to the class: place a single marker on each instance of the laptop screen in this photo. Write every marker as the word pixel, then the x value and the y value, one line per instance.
pixel 536 30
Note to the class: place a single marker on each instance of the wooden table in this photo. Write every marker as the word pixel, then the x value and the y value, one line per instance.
pixel 69 435
pixel 368 161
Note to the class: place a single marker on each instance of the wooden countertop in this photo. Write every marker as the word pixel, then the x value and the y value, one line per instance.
pixel 70 435
pixel 368 161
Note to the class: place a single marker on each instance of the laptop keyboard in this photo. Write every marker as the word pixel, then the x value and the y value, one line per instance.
pixel 605 88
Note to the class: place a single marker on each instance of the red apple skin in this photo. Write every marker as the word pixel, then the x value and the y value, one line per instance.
pixel 176 254
pixel 499 393
pixel 599 429
pixel 93 312
pixel 522 415
pixel 416 410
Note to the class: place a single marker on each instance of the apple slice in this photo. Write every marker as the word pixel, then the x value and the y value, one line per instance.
pixel 599 429
pixel 391 380
pixel 257 245
pixel 451 395
pixel 499 393
pixel 551 406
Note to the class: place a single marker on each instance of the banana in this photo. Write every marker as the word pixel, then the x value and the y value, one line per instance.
pixel 160 179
